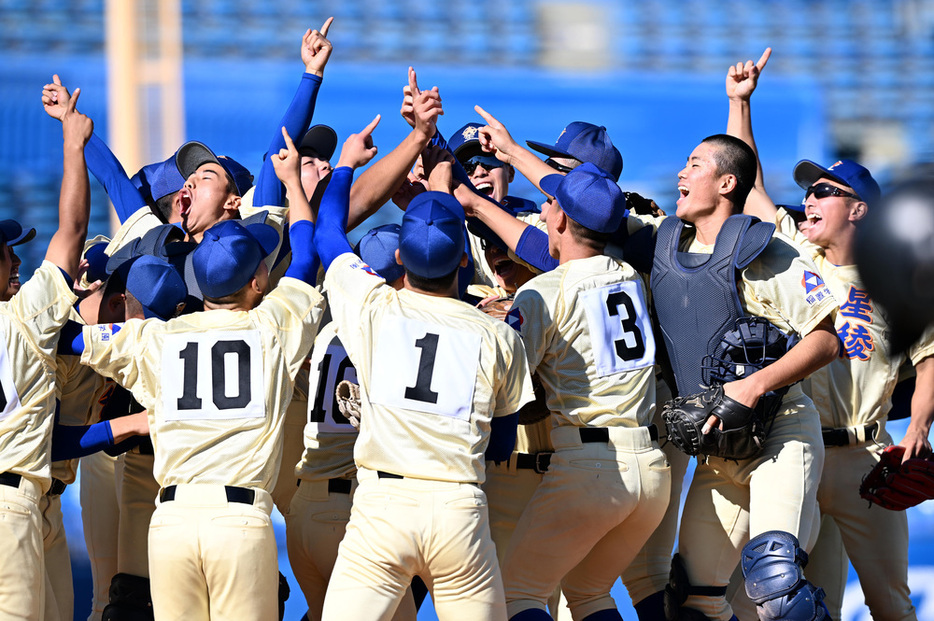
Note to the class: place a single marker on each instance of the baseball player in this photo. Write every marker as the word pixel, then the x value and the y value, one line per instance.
pixel 320 509
pixel 30 320
pixel 853 393
pixel 212 550
pixel 589 337
pixel 418 509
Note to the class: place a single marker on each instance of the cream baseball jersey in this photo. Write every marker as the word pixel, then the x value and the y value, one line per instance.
pixel 588 334
pixel 856 388
pixel 216 383
pixel 329 436
pixel 30 323
pixel 433 372
pixel 80 392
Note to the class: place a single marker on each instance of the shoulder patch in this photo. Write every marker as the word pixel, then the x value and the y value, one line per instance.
pixel 811 281
pixel 359 264
pixel 514 319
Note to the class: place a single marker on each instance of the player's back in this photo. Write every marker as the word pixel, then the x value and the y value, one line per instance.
pixel 434 372
pixel 589 337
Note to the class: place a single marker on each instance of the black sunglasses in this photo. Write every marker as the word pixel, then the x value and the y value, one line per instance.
pixel 559 167
pixel 823 190
pixel 489 162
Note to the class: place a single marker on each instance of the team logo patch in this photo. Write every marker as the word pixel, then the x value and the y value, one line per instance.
pixel 469 133
pixel 360 265
pixel 514 319
pixel 811 281
pixel 834 165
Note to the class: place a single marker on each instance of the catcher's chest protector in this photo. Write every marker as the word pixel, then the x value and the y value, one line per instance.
pixel 695 295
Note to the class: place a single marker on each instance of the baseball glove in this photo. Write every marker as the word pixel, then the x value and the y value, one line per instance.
pixel 348 401
pixel 740 435
pixel 536 410
pixel 496 307
pixel 896 485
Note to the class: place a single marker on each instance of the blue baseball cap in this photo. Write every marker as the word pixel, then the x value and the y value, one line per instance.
pixel 431 241
pixel 378 249
pixel 589 196
pixel 97 261
pixel 585 142
pixel 847 172
pixel 154 242
pixel 192 155
pixel 159 179
pixel 799 207
pixel 13 233
pixel 229 254
pixel 466 139
pixel 157 285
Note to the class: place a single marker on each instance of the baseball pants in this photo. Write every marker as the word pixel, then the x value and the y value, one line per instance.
pixel 596 507
pixel 314 527
pixel 400 528
pixel 729 502
pixel 22 572
pixel 100 514
pixel 293 445
pixel 212 558
pixel 59 591
pixel 875 539
pixel 138 490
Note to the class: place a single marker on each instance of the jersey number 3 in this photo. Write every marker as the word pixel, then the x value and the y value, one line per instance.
pixel 214 375
pixel 620 328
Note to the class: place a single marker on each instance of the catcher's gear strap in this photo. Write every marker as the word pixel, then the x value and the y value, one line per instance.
pixel 695 294
pixel 773 566
pixel 679 588
pixel 130 599
pixel 896 485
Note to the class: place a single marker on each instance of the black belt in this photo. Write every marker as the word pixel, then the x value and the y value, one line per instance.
pixel 841 437
pixel 339 486
pixel 388 475
pixel 58 487
pixel 234 494
pixel 538 462
pixel 602 434
pixel 10 479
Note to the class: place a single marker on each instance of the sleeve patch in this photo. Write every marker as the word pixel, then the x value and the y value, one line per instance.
pixel 515 320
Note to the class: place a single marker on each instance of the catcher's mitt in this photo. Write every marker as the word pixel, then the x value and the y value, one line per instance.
pixel 348 401
pixel 740 435
pixel 496 307
pixel 896 485
pixel 535 410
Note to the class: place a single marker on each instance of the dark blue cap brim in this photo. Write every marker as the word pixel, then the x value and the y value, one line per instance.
pixel 549 184
pixel 548 149
pixel 798 208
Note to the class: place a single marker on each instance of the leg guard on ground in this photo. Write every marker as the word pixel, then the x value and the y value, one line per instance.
pixel 130 599
pixel 773 566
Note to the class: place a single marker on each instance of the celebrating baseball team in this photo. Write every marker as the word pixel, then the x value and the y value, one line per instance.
pixel 494 403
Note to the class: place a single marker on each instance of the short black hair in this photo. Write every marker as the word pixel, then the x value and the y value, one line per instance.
pixel 595 239
pixel 432 285
pixel 163 206
pixel 735 157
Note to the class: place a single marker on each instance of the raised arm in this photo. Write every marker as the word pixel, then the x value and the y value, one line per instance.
pixel 101 161
pixel 380 181
pixel 331 231
pixel 287 165
pixel 741 82
pixel 916 440
pixel 75 199
pixel 315 52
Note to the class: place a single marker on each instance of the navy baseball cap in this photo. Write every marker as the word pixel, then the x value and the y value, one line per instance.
pixel 847 172
pixel 320 139
pixel 192 155
pixel 585 142
pixel 378 249
pixel 229 254
pixel 13 233
pixel 157 285
pixel 431 240
pixel 465 141
pixel 799 207
pixel 97 261
pixel 160 179
pixel 154 242
pixel 589 196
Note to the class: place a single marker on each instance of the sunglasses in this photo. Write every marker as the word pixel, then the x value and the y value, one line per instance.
pixel 559 167
pixel 489 162
pixel 823 190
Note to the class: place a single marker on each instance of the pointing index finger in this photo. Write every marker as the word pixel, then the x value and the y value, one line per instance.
pixel 760 65
pixel 413 83
pixel 74 100
pixel 369 128
pixel 288 139
pixel 490 120
pixel 326 26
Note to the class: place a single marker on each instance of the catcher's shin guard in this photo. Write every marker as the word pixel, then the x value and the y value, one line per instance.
pixel 773 566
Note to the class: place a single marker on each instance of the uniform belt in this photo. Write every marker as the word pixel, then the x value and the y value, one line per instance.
pixel 388 475
pixel 602 434
pixel 242 495
pixel 339 486
pixel 848 435
pixel 538 462
pixel 10 479
pixel 58 487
